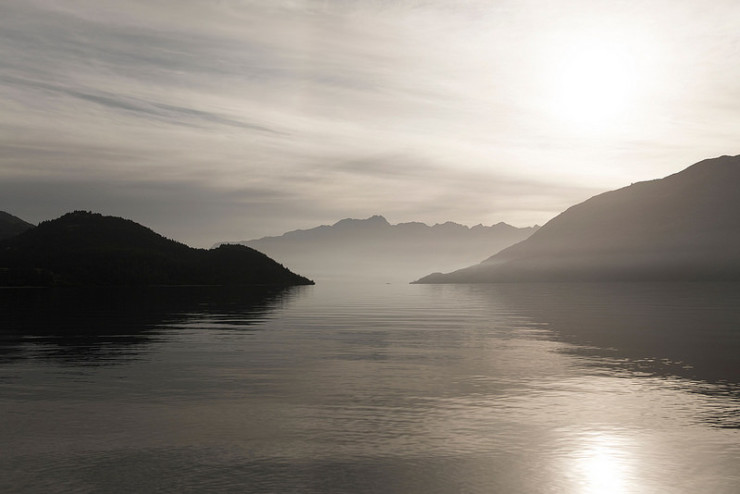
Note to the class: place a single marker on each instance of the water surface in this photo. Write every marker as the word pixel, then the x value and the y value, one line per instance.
pixel 521 388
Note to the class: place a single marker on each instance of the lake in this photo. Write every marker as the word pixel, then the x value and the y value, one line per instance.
pixel 352 388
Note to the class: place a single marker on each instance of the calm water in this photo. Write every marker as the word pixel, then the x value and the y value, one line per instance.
pixel 581 388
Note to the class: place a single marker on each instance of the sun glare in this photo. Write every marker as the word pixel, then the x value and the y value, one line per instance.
pixel 602 467
pixel 595 82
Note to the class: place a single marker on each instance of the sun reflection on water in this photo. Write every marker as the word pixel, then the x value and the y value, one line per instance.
pixel 603 465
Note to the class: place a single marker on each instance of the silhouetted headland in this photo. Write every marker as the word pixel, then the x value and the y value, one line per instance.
pixel 682 227
pixel 372 249
pixel 10 225
pixel 83 248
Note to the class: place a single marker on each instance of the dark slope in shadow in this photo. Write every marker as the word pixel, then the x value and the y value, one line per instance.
pixel 10 225
pixel 683 227
pixel 83 248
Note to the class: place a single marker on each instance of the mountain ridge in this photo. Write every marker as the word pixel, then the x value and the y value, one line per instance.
pixel 683 226
pixel 381 220
pixel 374 249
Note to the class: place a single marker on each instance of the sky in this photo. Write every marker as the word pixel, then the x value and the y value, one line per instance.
pixel 212 121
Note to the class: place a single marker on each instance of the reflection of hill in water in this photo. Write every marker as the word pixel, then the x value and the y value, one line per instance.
pixel 689 330
pixel 104 324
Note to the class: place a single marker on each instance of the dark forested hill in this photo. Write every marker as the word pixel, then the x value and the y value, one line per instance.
pixel 11 226
pixel 682 227
pixel 82 248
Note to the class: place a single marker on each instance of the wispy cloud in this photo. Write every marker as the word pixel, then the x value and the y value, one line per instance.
pixel 292 113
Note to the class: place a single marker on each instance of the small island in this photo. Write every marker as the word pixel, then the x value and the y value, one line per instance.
pixel 84 248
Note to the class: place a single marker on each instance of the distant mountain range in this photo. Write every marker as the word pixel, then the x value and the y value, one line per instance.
pixel 374 250
pixel 10 225
pixel 83 248
pixel 682 227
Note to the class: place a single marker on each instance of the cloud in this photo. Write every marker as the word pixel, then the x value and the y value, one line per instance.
pixel 286 114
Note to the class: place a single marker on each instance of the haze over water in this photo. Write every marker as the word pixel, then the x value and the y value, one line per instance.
pixel 525 388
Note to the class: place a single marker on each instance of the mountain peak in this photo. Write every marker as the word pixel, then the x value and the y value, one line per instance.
pixel 375 220
pixel 11 226
pixel 717 169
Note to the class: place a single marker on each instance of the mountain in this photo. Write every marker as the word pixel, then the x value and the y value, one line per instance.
pixel 682 227
pixel 374 250
pixel 82 248
pixel 10 225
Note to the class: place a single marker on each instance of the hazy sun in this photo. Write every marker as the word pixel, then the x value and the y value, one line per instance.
pixel 595 82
